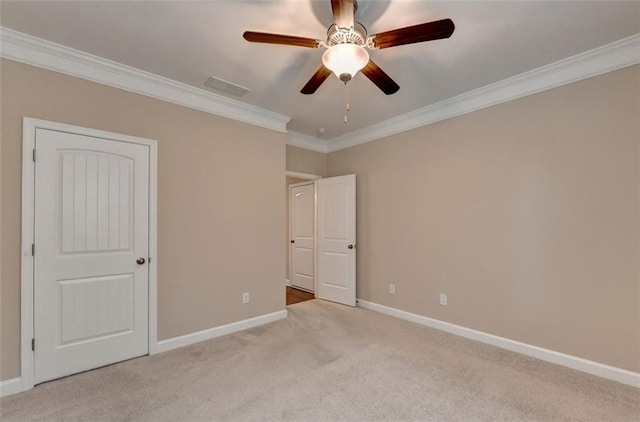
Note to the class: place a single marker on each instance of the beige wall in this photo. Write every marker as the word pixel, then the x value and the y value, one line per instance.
pixel 220 201
pixel 305 161
pixel 526 214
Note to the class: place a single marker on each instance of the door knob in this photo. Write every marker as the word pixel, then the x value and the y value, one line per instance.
pixel 140 261
pixel 350 246
pixel 293 241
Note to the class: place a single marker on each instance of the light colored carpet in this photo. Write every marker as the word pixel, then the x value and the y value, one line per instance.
pixel 330 362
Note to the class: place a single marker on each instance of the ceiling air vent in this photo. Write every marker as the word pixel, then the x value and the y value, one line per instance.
pixel 226 88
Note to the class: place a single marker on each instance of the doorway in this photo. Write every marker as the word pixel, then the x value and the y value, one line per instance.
pixel 294 291
pixel 322 239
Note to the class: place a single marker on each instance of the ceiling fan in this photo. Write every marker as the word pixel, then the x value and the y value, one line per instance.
pixel 346 45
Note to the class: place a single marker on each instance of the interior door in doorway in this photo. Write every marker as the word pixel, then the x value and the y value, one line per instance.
pixel 302 218
pixel 336 236
pixel 91 252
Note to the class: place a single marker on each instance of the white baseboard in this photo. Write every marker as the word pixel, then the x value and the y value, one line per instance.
pixel 187 339
pixel 11 386
pixel 594 368
pixel 15 385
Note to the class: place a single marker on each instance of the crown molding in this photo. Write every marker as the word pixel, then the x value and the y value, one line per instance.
pixel 48 55
pixel 610 57
pixel 301 140
pixel 58 58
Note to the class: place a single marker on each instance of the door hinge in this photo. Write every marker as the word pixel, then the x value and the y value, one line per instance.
pixel 34 155
pixel 33 344
pixel 33 249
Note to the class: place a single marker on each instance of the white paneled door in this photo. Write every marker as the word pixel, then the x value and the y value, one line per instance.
pixel 303 205
pixel 337 239
pixel 91 252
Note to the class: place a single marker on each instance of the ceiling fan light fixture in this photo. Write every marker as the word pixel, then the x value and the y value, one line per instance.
pixel 345 60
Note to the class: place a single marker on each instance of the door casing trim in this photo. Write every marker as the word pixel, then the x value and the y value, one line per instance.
pixel 29 126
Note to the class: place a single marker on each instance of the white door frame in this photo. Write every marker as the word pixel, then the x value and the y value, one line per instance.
pixel 29 126
pixel 315 231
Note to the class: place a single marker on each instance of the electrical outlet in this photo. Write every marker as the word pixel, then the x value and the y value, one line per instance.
pixel 245 297
pixel 392 289
pixel 443 300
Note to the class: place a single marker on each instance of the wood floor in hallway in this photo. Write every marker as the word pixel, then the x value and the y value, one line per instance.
pixel 296 295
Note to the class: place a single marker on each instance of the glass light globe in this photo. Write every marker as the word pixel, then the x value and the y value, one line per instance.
pixel 345 59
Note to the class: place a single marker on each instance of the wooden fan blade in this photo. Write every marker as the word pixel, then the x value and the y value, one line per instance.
pixel 343 11
pixel 412 34
pixel 379 78
pixel 280 39
pixel 316 80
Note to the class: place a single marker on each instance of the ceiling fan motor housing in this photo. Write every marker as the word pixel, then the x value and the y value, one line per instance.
pixel 356 35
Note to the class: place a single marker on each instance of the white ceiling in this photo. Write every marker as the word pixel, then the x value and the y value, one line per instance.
pixel 190 41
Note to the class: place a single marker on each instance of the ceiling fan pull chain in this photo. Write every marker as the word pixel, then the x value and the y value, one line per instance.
pixel 346 88
pixel 346 102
